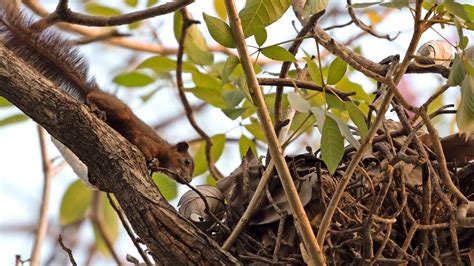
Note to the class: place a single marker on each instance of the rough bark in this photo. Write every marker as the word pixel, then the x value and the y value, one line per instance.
pixel 114 165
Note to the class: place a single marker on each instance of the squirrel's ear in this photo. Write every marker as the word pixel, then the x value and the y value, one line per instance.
pixel 182 147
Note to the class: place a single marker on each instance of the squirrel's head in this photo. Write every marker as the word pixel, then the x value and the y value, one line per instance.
pixel 178 164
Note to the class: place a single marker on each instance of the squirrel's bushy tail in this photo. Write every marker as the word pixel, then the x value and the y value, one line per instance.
pixel 47 51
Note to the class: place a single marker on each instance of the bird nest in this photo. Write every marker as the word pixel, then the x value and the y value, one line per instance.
pixel 395 209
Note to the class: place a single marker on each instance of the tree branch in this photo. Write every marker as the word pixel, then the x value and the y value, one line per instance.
pixel 43 215
pixel 301 220
pixel 64 14
pixel 114 165
pixel 187 23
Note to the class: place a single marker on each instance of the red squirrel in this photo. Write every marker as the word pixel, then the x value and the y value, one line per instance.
pixel 58 60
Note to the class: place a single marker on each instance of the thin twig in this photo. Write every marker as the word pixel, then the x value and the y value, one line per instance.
pixel 102 37
pixel 43 215
pixel 304 85
pixel 302 223
pixel 438 149
pixel 98 221
pixel 365 27
pixel 67 250
pixel 188 22
pixel 129 229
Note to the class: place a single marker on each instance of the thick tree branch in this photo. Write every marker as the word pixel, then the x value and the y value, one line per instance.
pixel 114 165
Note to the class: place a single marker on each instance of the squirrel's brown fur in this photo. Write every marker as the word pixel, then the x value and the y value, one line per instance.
pixel 58 60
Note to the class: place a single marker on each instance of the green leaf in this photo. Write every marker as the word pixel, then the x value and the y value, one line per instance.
pixel 314 71
pixel 456 9
pixel 111 227
pixel 311 7
pixel 134 25
pixel 337 70
pixel 398 4
pixel 335 102
pixel 332 145
pixel 206 80
pixel 278 53
pixel 261 13
pixel 347 85
pixel 198 55
pixel 210 95
pixel 4 102
pixel 464 40
pixel 255 129
pixel 195 44
pixel 132 3
pixel 229 66
pixel 245 144
pixel 13 119
pixel 233 113
pixel 208 89
pixel 151 3
pixel 345 131
pixel 465 113
pixel 232 97
pixel 469 9
pixel 298 103
pixel 219 6
pixel 457 73
pixel 133 79
pixel 358 118
pixel 74 203
pixel 96 9
pixel 320 116
pixel 200 162
pixel 244 88
pixel 167 186
pixel 260 35
pixel 219 31
pixel 159 64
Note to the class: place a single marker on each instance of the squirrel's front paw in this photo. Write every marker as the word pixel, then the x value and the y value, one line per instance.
pixel 99 113
pixel 154 165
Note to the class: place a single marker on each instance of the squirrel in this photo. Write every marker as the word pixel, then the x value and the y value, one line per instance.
pixel 57 59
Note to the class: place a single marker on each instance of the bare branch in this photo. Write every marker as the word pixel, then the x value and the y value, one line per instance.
pixel 64 14
pixel 301 220
pixel 304 85
pixel 365 27
pixel 43 215
pixel 67 250
pixel 188 22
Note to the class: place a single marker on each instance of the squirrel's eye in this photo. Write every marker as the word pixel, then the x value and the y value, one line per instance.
pixel 187 161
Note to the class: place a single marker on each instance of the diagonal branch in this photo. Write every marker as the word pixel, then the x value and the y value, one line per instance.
pixel 113 163
pixel 301 219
